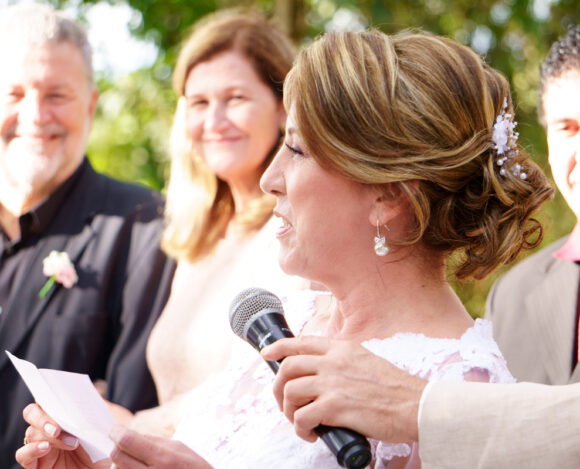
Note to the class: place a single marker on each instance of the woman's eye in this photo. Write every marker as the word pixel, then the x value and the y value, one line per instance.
pixel 196 103
pixel 294 150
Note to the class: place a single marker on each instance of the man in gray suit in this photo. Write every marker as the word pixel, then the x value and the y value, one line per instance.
pixel 96 320
pixel 534 307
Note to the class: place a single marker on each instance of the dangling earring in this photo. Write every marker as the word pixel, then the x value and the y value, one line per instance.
pixel 381 248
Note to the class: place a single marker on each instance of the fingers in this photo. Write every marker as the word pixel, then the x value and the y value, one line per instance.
pixel 310 356
pixel 300 396
pixel 304 345
pixel 292 368
pixel 298 393
pixel 28 455
pixel 40 445
pixel 43 428
pixel 32 435
pixel 306 419
pixel 323 381
pixel 38 418
pixel 302 378
pixel 341 383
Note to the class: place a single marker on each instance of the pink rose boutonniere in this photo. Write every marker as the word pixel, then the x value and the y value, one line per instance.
pixel 59 269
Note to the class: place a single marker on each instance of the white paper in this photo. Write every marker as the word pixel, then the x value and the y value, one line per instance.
pixel 73 402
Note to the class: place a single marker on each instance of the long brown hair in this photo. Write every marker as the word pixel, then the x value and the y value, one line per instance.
pixel 199 204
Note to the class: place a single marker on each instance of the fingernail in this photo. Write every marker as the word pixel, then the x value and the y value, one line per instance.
pixel 50 429
pixel 43 445
pixel 113 466
pixel 70 441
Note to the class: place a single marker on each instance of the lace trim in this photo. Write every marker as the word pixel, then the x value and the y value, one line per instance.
pixel 438 359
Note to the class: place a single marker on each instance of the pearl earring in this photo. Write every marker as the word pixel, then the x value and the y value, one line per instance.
pixel 381 248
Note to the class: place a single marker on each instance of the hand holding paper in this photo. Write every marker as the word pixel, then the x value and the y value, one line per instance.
pixel 73 402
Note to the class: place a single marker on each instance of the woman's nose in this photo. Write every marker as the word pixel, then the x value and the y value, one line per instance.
pixel 272 181
pixel 216 117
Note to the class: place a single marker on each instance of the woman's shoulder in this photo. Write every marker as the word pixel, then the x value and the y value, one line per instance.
pixel 436 358
pixel 480 332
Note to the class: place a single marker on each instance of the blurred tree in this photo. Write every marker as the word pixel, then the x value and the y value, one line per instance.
pixel 129 135
pixel 134 116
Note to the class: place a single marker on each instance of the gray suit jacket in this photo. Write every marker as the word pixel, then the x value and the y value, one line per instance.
pixel 533 311
pixel 500 426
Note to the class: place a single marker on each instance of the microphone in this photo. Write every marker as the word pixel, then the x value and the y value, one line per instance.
pixel 257 316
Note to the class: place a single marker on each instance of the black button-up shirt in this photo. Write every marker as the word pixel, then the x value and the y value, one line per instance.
pixel 17 255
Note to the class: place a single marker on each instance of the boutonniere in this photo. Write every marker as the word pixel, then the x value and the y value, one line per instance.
pixel 59 269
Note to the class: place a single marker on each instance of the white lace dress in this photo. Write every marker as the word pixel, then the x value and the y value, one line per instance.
pixel 233 421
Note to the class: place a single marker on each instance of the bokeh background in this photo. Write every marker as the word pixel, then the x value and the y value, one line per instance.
pixel 129 139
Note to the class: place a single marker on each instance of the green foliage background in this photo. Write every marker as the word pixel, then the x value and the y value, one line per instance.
pixel 129 138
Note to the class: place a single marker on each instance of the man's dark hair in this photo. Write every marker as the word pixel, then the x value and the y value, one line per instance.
pixel 564 57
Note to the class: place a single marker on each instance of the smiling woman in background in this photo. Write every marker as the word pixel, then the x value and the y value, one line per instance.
pixel 227 128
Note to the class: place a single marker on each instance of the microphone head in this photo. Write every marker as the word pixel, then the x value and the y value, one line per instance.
pixel 249 303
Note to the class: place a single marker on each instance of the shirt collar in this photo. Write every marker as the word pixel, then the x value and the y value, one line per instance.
pixel 38 219
pixel 570 250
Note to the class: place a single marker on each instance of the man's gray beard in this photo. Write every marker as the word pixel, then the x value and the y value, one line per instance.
pixel 25 179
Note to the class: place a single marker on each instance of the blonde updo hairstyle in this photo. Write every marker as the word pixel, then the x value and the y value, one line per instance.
pixel 418 110
pixel 200 205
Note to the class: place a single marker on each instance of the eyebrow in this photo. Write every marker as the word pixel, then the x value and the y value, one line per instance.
pixel 59 87
pixel 228 89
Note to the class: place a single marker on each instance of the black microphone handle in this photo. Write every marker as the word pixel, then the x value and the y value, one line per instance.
pixel 352 450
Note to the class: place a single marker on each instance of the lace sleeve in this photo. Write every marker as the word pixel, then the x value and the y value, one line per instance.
pixel 473 357
pixel 477 358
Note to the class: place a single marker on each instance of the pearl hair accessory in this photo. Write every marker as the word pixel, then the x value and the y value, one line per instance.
pixel 381 248
pixel 505 143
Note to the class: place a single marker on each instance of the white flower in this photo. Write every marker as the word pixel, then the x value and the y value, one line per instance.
pixel 502 129
pixel 504 140
pixel 59 268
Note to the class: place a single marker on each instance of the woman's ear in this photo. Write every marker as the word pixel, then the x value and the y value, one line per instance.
pixel 388 202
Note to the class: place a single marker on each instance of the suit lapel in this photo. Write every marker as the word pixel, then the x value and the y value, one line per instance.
pixel 552 308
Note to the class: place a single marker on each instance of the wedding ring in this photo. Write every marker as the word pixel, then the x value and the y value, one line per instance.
pixel 25 441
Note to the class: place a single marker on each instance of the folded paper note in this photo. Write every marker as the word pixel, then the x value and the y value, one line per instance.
pixel 73 402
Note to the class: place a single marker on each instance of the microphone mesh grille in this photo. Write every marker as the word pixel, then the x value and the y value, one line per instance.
pixel 249 302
